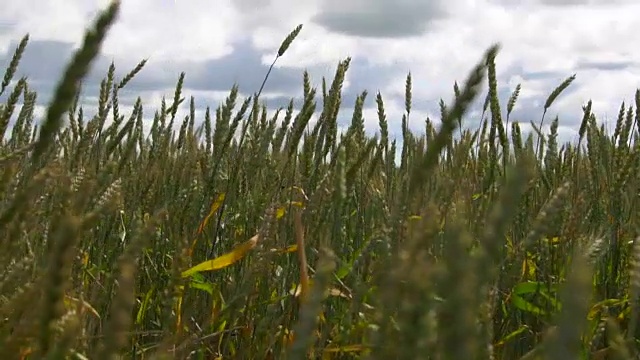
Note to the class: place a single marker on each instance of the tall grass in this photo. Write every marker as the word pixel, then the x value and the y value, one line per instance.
pixel 253 235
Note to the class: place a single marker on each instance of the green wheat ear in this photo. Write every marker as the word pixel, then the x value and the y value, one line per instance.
pixel 13 65
pixel 449 123
pixel 441 253
pixel 634 289
pixel 558 90
pixel 288 40
pixel 75 72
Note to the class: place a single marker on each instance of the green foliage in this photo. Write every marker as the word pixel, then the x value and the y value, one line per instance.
pixel 253 235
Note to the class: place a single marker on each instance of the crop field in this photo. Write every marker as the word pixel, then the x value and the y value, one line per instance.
pixel 256 234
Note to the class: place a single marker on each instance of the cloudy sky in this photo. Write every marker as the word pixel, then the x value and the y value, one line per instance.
pixel 222 42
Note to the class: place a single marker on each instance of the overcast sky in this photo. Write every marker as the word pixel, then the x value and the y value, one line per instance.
pixel 222 42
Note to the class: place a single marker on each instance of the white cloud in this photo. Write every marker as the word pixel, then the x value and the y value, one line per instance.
pixel 174 30
pixel 166 30
pixel 534 40
pixel 55 20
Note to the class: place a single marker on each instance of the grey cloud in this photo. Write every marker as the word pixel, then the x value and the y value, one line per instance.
pixel 5 27
pixel 531 109
pixel 44 61
pixel 243 67
pixel 585 2
pixel 561 3
pixel 251 5
pixel 527 109
pixel 606 65
pixel 379 18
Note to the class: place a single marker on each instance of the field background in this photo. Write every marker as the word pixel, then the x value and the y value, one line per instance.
pixel 253 235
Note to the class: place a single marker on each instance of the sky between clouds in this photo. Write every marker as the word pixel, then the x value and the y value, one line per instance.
pixel 222 42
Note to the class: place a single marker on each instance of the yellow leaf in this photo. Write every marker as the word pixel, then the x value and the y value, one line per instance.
pixel 597 308
pixel 178 311
pixel 337 293
pixel 296 290
pixel 288 249
pixel 70 301
pixel 346 348
pixel 214 207
pixel 24 353
pixel 291 248
pixel 85 258
pixel 224 260
pixel 283 209
pixel 288 337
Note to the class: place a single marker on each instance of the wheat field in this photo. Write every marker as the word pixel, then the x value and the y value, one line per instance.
pixel 254 234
